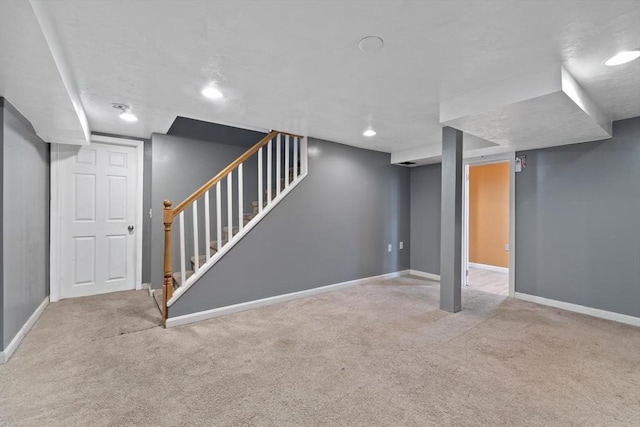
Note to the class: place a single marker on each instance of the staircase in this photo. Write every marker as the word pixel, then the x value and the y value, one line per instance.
pixel 280 158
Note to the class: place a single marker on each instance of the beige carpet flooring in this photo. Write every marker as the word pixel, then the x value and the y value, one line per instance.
pixel 380 354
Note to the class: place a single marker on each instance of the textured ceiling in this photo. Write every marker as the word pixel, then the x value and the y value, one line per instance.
pixel 295 66
pixel 30 79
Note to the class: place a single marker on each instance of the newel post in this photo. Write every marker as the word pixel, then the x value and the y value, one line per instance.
pixel 167 286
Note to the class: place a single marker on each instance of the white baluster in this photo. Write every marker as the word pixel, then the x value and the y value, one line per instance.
pixel 240 208
pixel 207 226
pixel 286 161
pixel 278 164
pixel 183 255
pixel 218 217
pixel 260 179
pixel 295 158
pixel 196 255
pixel 269 171
pixel 229 206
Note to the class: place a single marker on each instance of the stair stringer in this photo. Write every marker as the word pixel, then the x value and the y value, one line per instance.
pixel 235 239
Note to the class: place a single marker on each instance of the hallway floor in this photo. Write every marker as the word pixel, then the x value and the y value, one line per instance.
pixel 378 354
pixel 489 281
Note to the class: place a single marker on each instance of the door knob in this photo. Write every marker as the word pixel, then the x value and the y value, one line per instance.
pixel 130 228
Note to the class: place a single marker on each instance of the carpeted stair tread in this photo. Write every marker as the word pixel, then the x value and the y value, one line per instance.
pixel 203 258
pixel 177 277
pixel 214 244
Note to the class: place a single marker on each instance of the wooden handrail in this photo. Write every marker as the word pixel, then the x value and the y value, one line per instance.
pixel 224 172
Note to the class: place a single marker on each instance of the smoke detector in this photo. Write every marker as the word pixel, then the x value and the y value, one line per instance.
pixel 370 44
pixel 125 112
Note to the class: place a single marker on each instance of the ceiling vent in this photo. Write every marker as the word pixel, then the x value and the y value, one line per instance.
pixel 407 163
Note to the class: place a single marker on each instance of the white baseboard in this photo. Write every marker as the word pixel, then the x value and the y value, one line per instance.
pixel 488 267
pixel 147 287
pixel 425 275
pixel 15 342
pixel 595 312
pixel 230 309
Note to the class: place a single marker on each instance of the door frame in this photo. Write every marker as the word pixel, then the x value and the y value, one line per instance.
pixel 485 160
pixel 55 242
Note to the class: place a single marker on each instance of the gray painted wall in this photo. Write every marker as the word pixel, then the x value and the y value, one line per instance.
pixel 425 218
pixel 25 218
pixel 214 132
pixel 577 222
pixel 179 167
pixel 333 227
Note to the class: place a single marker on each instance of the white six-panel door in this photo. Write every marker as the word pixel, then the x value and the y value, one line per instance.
pixel 98 218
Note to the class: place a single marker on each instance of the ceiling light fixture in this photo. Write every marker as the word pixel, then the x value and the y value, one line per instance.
pixel 369 132
pixel 370 44
pixel 623 57
pixel 125 113
pixel 212 92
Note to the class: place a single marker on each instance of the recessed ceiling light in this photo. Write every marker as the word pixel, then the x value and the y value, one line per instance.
pixel 623 57
pixel 212 92
pixel 370 44
pixel 369 132
pixel 128 117
pixel 125 113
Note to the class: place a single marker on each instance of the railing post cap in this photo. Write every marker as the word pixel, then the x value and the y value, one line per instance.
pixel 167 204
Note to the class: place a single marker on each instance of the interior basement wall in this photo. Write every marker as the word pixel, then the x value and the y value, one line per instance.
pixel 24 283
pixel 333 227
pixel 578 222
pixel 426 183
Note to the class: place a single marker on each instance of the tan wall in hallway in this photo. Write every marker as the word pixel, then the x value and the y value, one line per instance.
pixel 489 214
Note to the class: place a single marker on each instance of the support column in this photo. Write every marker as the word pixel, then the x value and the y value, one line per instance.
pixel 451 221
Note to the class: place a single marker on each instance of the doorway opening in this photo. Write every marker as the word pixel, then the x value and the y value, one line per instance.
pixel 487 226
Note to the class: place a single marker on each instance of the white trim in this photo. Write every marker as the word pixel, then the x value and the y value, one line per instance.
pixel 55 219
pixel 488 267
pixel 425 275
pixel 15 342
pixel 147 287
pixel 230 309
pixel 512 224
pixel 232 242
pixel 465 227
pixel 595 312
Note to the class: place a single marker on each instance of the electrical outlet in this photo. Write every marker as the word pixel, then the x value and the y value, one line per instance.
pixel 390 248
pixel 401 245
pixel 506 247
